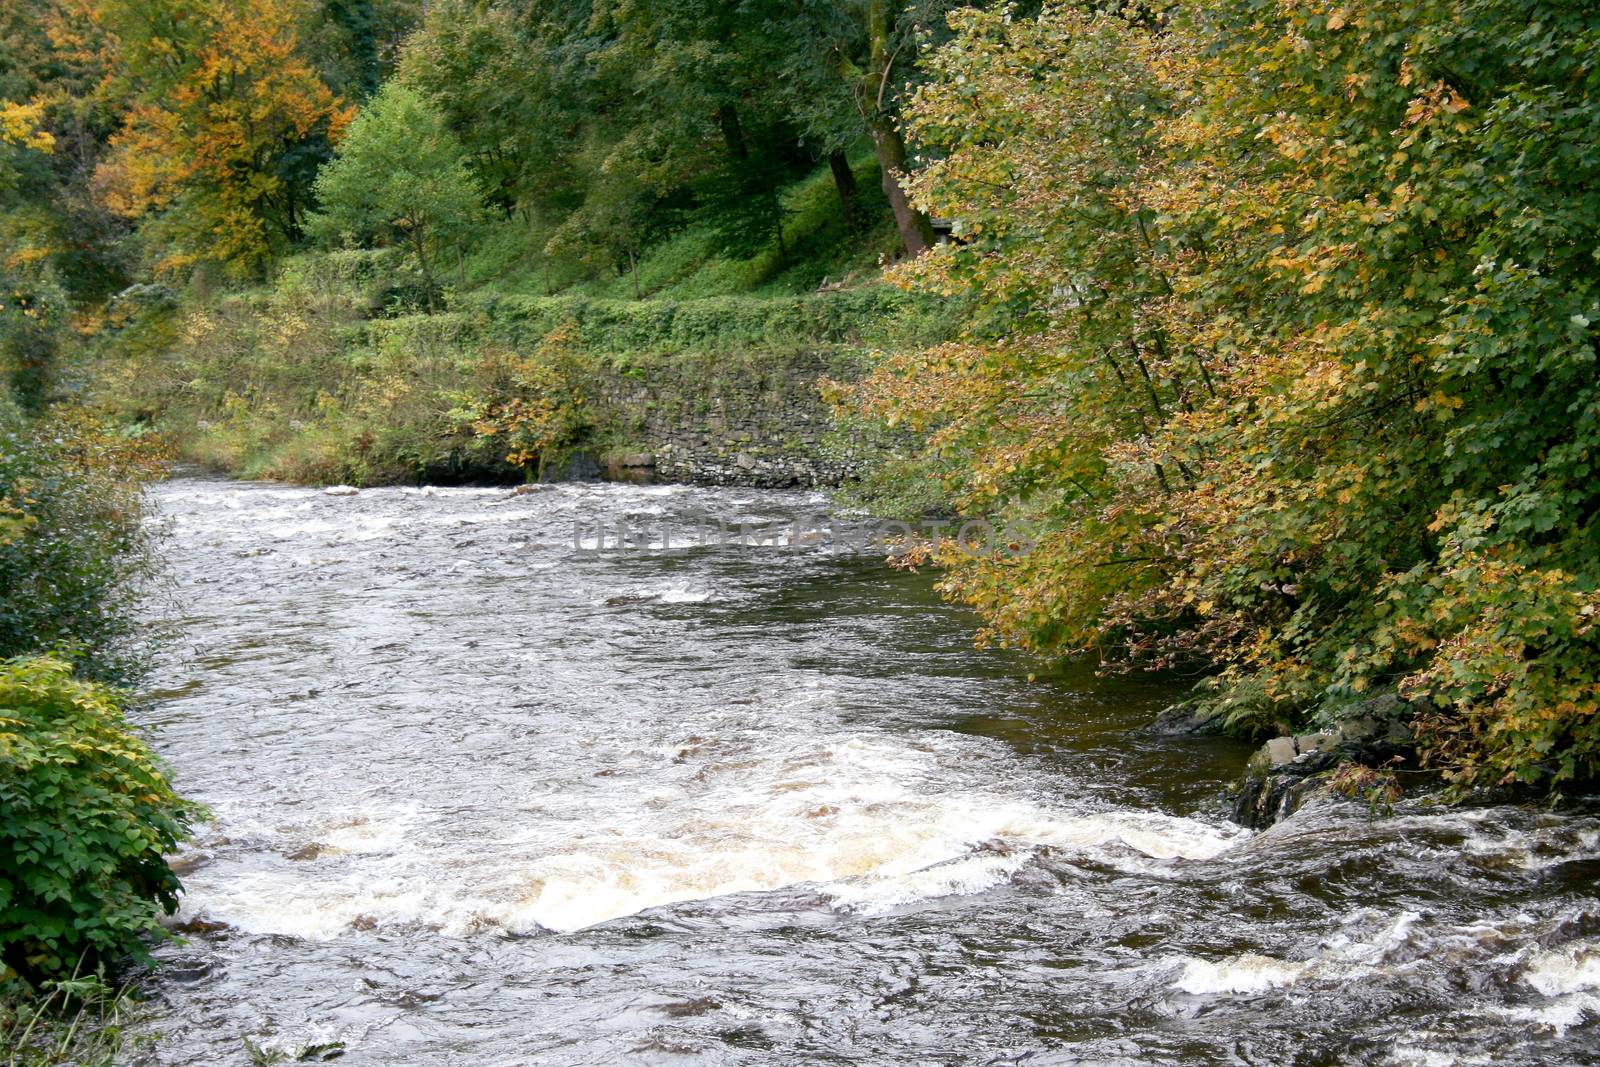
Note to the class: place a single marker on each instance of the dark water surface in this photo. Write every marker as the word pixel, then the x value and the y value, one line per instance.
pixel 484 798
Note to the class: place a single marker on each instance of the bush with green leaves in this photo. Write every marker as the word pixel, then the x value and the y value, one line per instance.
pixel 86 817
pixel 79 1021
pixel 73 550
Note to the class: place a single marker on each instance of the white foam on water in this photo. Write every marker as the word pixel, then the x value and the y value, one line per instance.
pixel 863 817
pixel 683 594
pixel 1245 973
pixel 1371 943
pixel 1390 937
pixel 1567 978
pixel 356 527
pixel 474 518
pixel 1560 1015
pixel 1569 969
pixel 880 893
pixel 1411 1054
pixel 668 594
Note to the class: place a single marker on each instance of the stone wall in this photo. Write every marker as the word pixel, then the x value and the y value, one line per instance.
pixel 747 418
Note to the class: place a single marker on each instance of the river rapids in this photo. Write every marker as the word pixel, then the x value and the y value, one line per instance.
pixel 488 790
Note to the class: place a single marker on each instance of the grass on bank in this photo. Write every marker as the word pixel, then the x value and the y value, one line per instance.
pixel 819 245
pixel 80 1021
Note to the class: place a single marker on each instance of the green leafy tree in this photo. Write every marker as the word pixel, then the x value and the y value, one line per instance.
pixel 400 178
pixel 519 88
pixel 610 122
pixel 1287 345
pixel 846 68
pixel 355 43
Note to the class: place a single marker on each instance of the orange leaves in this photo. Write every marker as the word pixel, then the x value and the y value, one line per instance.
pixel 528 407
pixel 221 99
pixel 1440 98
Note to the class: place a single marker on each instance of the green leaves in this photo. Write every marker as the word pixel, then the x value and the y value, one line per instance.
pixel 400 177
pixel 86 819
pixel 71 545
pixel 1286 333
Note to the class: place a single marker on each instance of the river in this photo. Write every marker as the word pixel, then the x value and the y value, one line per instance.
pixel 486 795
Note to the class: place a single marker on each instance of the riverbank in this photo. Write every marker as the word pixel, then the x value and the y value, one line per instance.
pixel 315 381
pixel 80 1023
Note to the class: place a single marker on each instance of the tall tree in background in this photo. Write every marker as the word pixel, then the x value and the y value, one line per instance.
pixel 400 177
pixel 703 113
pixel 874 97
pixel 30 302
pixel 517 89
pixel 602 114
pixel 54 57
pixel 226 126
pixel 355 44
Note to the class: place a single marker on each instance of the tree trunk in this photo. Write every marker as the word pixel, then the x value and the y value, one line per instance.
pixel 427 268
pixel 732 131
pixel 844 180
pixel 915 229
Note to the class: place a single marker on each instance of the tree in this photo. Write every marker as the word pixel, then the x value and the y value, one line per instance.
pixel 21 127
pixel 55 57
pixel 31 305
pixel 226 126
pixel 354 43
pixel 400 177
pixel 844 69
pixel 1286 346
pixel 590 115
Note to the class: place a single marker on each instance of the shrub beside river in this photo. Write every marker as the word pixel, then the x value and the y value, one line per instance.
pixel 86 814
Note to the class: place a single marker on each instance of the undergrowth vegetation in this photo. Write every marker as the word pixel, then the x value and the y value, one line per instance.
pixel 86 816
pixel 78 1021
pixel 334 375
pixel 73 550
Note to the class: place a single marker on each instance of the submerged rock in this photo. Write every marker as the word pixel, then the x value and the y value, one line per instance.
pixel 1186 719
pixel 313 851
pixel 199 925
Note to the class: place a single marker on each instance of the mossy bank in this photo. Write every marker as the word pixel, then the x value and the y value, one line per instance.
pixel 331 375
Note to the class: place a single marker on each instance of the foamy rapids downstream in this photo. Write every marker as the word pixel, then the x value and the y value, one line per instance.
pixel 484 797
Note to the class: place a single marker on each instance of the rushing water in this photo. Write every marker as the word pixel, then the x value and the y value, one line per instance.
pixel 482 797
